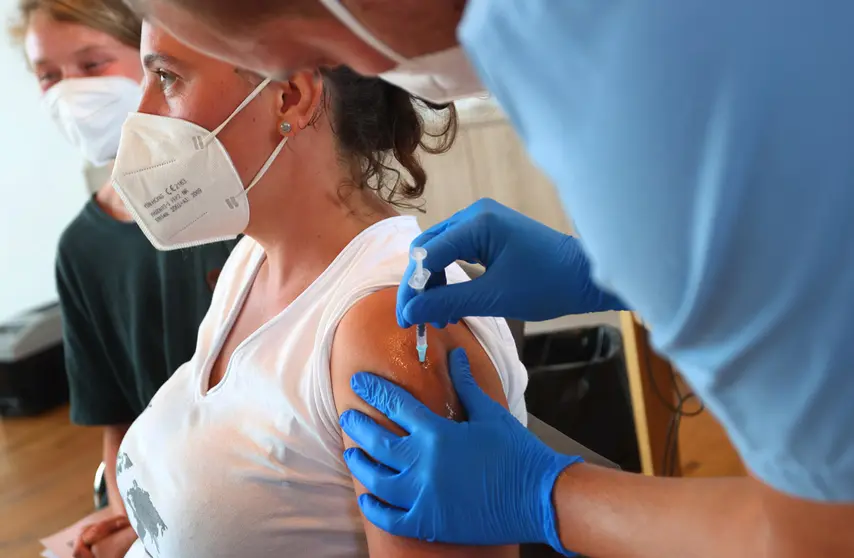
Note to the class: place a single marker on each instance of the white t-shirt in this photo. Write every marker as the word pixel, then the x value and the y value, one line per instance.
pixel 253 467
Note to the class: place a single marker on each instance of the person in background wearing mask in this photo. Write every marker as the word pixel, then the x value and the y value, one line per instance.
pixel 704 151
pixel 130 313
pixel 240 452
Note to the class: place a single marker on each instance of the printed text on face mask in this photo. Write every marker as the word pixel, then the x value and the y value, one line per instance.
pixel 173 198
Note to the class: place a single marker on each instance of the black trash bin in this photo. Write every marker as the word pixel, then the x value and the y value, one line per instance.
pixel 32 369
pixel 577 383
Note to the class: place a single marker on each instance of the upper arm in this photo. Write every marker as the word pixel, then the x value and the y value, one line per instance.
pixel 800 527
pixel 369 339
pixel 113 436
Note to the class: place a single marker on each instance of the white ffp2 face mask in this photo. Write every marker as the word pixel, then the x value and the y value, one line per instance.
pixel 439 77
pixel 179 183
pixel 90 111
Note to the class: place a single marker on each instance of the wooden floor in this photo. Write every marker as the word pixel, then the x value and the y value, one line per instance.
pixel 46 471
pixel 47 465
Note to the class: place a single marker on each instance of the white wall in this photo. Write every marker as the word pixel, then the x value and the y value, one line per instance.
pixel 41 184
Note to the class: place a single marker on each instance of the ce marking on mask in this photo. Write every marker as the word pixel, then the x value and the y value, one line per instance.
pixel 172 199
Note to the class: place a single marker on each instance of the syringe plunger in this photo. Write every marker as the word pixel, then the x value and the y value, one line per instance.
pixel 420 276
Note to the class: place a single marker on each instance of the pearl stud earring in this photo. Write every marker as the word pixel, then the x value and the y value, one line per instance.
pixel 285 127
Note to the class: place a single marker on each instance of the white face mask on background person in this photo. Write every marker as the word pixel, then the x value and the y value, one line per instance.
pixel 179 183
pixel 90 112
pixel 439 77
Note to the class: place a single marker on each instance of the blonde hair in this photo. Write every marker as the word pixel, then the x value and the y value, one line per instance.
pixel 112 17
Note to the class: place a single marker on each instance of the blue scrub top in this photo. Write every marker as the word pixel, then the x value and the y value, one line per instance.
pixel 706 152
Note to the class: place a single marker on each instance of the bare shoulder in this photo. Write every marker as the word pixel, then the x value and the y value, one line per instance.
pixel 369 339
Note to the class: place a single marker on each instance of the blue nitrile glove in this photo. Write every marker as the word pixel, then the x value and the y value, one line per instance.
pixel 532 273
pixel 487 481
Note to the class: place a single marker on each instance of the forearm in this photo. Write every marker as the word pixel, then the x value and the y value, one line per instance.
pixel 608 513
pixel 113 436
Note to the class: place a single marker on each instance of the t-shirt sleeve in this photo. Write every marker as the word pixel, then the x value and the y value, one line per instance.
pixel 95 394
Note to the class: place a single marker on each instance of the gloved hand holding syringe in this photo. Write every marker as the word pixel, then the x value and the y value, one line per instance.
pixel 418 281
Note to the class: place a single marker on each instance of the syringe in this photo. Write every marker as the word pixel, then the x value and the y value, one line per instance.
pixel 418 281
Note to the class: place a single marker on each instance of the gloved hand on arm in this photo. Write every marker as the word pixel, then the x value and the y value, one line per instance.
pixel 487 481
pixel 532 273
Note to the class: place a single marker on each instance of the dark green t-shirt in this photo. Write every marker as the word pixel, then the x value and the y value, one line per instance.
pixel 130 313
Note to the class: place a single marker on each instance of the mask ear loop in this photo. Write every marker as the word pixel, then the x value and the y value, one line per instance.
pixel 241 106
pixel 358 29
pixel 260 174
